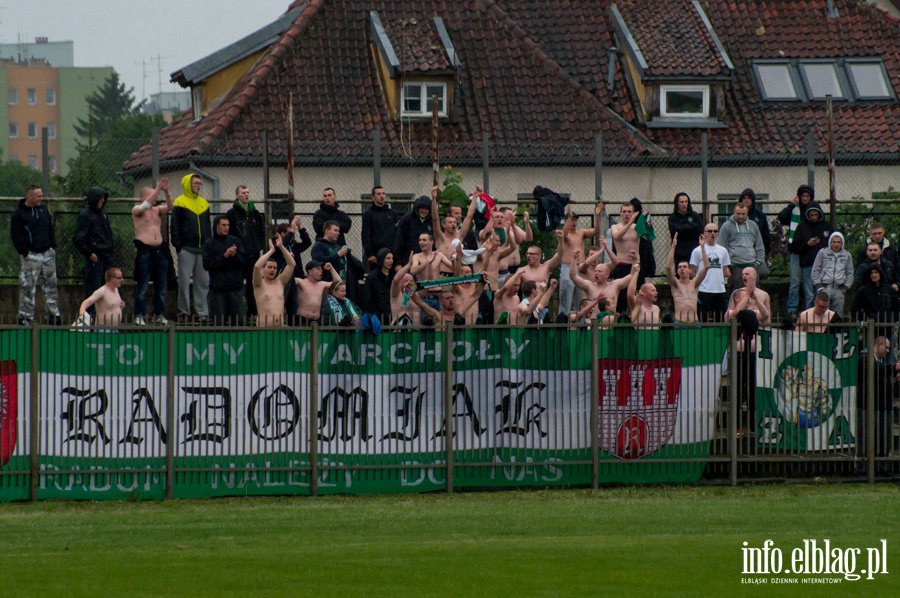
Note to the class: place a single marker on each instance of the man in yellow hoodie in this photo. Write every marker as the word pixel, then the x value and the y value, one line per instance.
pixel 190 227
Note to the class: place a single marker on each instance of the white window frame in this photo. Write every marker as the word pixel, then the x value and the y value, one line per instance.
pixel 13 97
pixel 54 164
pixel 31 96
pixel 426 101
pixel 13 130
pixel 30 127
pixel 196 108
pixel 663 107
pixel 51 130
pixel 51 96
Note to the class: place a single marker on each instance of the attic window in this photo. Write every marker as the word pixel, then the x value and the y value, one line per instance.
pixel 776 81
pixel 416 99
pixel 822 79
pixel 196 102
pixel 869 79
pixel 691 101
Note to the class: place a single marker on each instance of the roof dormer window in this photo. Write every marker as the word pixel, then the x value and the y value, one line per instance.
pixel 684 101
pixel 417 98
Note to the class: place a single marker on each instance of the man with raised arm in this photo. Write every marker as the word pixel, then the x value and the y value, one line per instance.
pixel 600 285
pixel 452 307
pixel 310 289
pixel 536 270
pixel 404 312
pixel 642 302
pixel 535 298
pixel 268 284
pixel 450 228
pixel 151 260
pixel 573 240
pixel 684 288
pixel 106 300
pixel 506 301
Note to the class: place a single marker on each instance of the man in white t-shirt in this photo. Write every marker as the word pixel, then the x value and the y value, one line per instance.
pixel 713 301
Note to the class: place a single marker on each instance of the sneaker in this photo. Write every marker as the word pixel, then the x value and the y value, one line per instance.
pixel 160 320
pixel 54 320
pixel 204 321
pixel 140 321
pixel 184 320
pixel 23 321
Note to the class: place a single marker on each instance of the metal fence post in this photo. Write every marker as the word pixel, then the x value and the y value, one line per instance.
pixel 870 402
pixel 448 403
pixel 314 412
pixel 595 407
pixel 45 161
pixel 486 163
pixel 598 167
pixel 811 160
pixel 704 174
pixel 733 402
pixel 34 430
pixel 376 157
pixel 171 436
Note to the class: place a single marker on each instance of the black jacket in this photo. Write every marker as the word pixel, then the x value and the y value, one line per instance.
pixel 326 213
pixel 295 247
pixel 378 290
pixel 327 253
pixel 551 208
pixel 861 274
pixel 248 226
pixel 876 302
pixel 379 226
pixel 689 227
pixel 93 233
pixel 409 229
pixel 888 251
pixel 225 273
pixel 757 216
pixel 31 229
pixel 807 230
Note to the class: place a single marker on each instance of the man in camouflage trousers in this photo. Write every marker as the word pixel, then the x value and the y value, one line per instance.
pixel 31 230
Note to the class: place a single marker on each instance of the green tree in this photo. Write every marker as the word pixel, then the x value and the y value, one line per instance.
pixel 15 177
pixel 108 104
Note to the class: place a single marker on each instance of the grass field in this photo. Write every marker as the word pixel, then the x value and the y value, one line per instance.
pixel 624 541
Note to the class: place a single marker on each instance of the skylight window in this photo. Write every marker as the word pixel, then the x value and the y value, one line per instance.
pixel 869 79
pixel 850 79
pixel 822 80
pixel 776 81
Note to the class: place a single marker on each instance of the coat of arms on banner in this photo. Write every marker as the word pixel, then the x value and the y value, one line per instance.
pixel 8 410
pixel 806 390
pixel 638 405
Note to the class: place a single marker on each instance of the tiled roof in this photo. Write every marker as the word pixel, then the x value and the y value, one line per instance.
pixel 675 42
pixel 533 75
pixel 508 87
pixel 417 45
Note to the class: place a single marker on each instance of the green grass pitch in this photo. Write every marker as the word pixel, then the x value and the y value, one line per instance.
pixel 665 541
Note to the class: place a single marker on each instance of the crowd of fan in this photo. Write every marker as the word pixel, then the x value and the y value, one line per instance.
pixel 465 266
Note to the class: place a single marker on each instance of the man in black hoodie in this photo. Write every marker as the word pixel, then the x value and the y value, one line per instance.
pixel 410 227
pixel 379 224
pixel 811 237
pixel 94 240
pixel 224 259
pixel 689 226
pixel 247 224
pixel 31 231
pixel 748 198
pixel 378 286
pixel 328 210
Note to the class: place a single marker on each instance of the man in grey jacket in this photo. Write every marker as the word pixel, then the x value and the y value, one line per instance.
pixel 832 272
pixel 742 239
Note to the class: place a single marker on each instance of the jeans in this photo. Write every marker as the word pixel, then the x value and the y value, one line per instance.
pixel 809 293
pixel 794 289
pixel 150 265
pixel 836 303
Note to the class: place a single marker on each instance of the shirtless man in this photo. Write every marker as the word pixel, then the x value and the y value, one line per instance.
pixel 600 285
pixel 106 301
pixel 642 303
pixel 627 245
pixel 310 289
pixel 450 228
pixel 817 317
pixel 268 285
pixel 573 240
pixel 684 289
pixel 521 235
pixel 452 307
pixel 750 298
pixel 403 311
pixel 506 300
pixel 494 255
pixel 151 262
pixel 428 264
pixel 497 225
pixel 535 298
pixel 538 271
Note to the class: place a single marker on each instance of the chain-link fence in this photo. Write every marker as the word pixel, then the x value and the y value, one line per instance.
pixel 864 185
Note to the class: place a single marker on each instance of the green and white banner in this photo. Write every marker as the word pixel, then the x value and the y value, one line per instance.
pixel 520 410
pixel 806 390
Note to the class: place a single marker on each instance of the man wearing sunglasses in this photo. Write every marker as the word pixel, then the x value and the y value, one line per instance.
pixel 711 297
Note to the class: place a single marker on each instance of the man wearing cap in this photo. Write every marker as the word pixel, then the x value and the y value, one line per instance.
pixel 94 239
